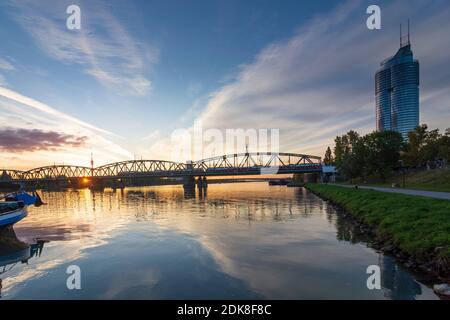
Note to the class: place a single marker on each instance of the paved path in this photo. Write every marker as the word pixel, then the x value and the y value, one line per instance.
pixel 429 194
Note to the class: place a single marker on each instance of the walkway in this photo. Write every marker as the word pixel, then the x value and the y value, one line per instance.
pixel 429 194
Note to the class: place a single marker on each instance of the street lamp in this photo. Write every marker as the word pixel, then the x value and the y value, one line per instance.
pixel 402 168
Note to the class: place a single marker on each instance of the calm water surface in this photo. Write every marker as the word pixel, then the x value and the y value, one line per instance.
pixel 243 240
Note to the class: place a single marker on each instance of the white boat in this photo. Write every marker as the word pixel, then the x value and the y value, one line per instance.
pixel 11 212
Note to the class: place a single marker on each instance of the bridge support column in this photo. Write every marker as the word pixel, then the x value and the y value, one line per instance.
pixel 188 181
pixel 189 187
pixel 202 182
pixel 311 177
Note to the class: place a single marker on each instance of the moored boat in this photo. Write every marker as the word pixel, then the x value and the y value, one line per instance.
pixel 14 207
pixel 12 212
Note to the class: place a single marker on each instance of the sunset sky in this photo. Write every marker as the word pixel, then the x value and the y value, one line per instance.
pixel 138 70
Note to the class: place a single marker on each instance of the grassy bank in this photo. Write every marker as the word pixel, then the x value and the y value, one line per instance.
pixel 419 227
pixel 430 180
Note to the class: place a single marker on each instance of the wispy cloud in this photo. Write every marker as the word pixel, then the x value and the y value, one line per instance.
pixel 103 47
pixel 6 65
pixel 31 125
pixel 17 97
pixel 3 81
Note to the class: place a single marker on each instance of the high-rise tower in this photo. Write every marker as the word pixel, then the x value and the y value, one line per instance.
pixel 397 91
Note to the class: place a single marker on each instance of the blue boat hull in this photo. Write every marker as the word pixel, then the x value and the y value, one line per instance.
pixel 9 219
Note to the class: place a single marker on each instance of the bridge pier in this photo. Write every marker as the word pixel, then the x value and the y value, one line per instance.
pixel 202 182
pixel 188 182
pixel 311 177
pixel 189 187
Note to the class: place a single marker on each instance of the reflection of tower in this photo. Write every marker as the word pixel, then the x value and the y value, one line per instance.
pixel 397 284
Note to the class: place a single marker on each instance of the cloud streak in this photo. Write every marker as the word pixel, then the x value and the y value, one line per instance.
pixel 103 47
pixel 39 106
pixel 6 65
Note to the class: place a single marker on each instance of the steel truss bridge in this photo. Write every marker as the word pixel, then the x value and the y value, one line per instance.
pixel 234 164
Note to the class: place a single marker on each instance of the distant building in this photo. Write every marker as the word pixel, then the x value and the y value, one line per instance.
pixel 329 173
pixel 397 92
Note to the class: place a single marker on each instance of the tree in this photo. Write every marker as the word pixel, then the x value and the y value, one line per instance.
pixel 375 154
pixel 328 158
pixel 444 146
pixel 425 146
pixel 378 154
pixel 344 159
pixel 381 153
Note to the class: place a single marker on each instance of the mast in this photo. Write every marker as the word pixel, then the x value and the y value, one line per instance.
pixel 408 34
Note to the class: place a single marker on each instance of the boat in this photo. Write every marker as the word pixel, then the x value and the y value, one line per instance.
pixel 12 212
pixel 14 207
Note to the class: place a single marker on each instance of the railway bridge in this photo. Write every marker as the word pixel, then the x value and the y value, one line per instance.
pixel 238 164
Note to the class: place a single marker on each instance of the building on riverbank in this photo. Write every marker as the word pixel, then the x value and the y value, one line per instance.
pixel 397 91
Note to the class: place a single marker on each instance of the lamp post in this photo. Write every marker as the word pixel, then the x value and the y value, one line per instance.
pixel 402 168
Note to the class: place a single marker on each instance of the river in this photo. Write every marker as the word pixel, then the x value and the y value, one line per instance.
pixel 237 241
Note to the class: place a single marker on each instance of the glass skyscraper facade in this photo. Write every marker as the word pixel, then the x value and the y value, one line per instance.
pixel 397 93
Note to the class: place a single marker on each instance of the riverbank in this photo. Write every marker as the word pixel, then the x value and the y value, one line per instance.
pixel 414 229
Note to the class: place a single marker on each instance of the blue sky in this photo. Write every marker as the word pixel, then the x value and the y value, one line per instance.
pixel 138 70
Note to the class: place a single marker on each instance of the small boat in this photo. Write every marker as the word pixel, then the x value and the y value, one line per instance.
pixel 12 212
pixel 14 207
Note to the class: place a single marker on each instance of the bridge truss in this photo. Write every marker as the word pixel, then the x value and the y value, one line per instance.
pixel 233 164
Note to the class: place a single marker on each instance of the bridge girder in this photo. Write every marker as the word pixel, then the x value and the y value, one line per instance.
pixel 56 172
pixel 256 159
pixel 134 167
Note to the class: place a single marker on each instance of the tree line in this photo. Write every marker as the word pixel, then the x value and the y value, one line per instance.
pixel 380 154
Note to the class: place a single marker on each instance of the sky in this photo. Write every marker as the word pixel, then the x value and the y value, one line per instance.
pixel 138 71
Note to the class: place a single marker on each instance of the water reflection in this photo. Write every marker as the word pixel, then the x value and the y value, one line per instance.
pixel 396 282
pixel 13 251
pixel 229 241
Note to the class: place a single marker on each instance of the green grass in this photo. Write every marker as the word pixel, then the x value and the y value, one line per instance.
pixel 430 180
pixel 416 225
